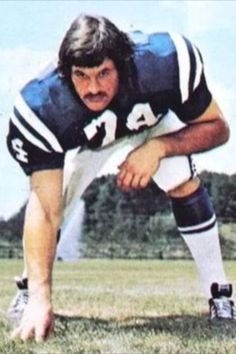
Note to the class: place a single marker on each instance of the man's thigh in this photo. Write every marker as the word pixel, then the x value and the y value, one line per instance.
pixel 176 170
pixel 87 165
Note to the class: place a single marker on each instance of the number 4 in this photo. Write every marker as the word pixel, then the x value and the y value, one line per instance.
pixel 21 155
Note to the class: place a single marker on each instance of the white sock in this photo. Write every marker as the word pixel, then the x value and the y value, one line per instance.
pixel 206 251
pixel 196 222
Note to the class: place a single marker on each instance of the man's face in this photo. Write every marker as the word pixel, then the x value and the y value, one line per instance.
pixel 96 86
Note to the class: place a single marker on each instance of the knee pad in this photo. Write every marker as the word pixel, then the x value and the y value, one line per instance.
pixel 174 171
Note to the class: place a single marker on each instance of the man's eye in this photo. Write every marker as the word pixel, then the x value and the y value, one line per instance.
pixel 104 73
pixel 80 74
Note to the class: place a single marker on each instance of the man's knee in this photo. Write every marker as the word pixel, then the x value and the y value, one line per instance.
pixel 185 189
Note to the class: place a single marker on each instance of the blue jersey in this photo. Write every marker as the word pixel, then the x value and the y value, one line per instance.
pixel 49 118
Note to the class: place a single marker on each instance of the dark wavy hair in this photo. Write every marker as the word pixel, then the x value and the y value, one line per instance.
pixel 90 40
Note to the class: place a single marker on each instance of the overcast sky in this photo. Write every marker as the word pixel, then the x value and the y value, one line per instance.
pixel 30 34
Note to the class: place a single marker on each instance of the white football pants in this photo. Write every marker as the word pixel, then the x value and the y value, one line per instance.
pixel 87 164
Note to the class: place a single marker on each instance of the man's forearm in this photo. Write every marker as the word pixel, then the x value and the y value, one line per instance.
pixel 193 138
pixel 40 244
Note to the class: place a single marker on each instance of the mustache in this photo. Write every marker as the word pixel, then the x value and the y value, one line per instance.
pixel 98 95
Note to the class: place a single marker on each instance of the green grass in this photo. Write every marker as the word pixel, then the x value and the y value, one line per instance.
pixel 124 307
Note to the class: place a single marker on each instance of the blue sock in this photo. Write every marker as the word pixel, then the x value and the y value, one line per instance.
pixel 194 213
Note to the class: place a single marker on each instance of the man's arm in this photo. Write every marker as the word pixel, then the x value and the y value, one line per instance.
pixel 204 133
pixel 42 221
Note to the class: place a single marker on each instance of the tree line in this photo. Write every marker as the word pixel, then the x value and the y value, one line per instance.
pixel 138 223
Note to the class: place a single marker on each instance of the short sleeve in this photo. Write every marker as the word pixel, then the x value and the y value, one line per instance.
pixel 192 95
pixel 30 157
pixel 196 104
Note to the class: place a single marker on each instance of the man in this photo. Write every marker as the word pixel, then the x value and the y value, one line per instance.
pixel 146 96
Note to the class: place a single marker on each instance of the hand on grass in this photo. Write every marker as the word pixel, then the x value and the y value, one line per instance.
pixel 37 322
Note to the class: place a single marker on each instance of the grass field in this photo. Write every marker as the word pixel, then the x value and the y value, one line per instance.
pixel 124 307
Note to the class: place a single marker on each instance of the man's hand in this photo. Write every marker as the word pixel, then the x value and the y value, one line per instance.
pixel 139 166
pixel 37 321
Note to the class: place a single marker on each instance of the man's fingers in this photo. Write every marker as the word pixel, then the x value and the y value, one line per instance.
pixel 27 333
pixel 16 333
pixel 144 181
pixel 127 180
pixel 22 333
pixel 43 332
pixel 124 180
pixel 40 330
pixel 121 165
pixel 121 176
pixel 136 182
pixel 40 334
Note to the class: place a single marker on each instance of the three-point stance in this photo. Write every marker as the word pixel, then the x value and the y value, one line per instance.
pixel 144 94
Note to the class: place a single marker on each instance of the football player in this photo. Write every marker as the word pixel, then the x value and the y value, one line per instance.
pixel 144 95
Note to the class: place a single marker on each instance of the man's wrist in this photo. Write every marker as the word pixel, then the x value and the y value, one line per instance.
pixel 40 291
pixel 156 144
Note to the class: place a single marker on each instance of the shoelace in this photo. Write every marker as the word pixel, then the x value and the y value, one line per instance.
pixel 21 300
pixel 222 308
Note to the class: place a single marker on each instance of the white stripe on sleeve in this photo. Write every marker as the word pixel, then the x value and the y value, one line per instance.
pixel 199 68
pixel 30 117
pixel 183 64
pixel 30 137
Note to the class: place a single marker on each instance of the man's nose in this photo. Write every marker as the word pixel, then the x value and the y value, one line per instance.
pixel 94 86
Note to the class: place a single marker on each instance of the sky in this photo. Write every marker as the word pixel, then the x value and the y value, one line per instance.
pixel 30 35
